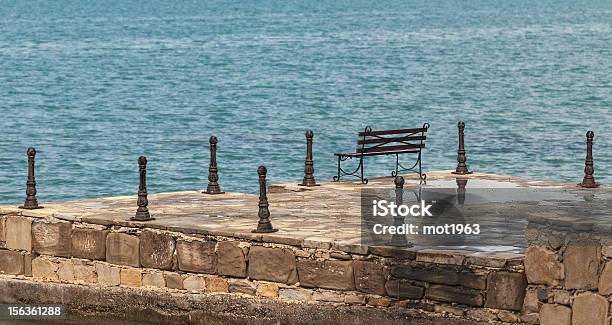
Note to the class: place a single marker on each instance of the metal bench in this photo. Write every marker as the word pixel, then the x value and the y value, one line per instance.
pixel 386 142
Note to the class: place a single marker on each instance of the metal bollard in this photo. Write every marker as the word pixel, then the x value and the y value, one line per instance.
pixel 30 201
pixel 213 177
pixel 462 168
pixel 589 180
pixel 309 179
pixel 263 225
pixel 142 213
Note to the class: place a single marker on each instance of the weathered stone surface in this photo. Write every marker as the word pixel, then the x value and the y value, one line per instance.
pixel 295 294
pixel 399 288
pixel 269 290
pixel 85 273
pixel 555 315
pixel 52 238
pixel 460 295
pixel 11 262
pixel 89 243
pixel 272 264
pixel 27 261
pixel 355 299
pixel 156 250
pixel 379 301
pixel 581 263
pixel 242 286
pixel 215 284
pixel 194 283
pixel 543 267
pixel 19 233
pixel 326 274
pixel 506 290
pixel 440 275
pixel 448 309
pixel 2 228
pixel 131 277
pixel 589 309
pixel 606 251
pixel 440 256
pixel 508 316
pixel 108 275
pixel 531 304
pixel 328 296
pixel 605 280
pixel 173 280
pixel 65 271
pixel 154 280
pixel 370 277
pixel 123 249
pixel 44 269
pixel 563 297
pixel 197 256
pixel 231 260
pixel 530 318
pixel 482 314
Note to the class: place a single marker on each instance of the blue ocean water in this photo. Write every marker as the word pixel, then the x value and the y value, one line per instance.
pixel 93 85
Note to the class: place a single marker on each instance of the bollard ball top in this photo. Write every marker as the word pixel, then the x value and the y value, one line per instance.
pixel 309 134
pixel 213 139
pixel 590 134
pixel 31 151
pixel 461 124
pixel 399 182
pixel 262 171
pixel 142 160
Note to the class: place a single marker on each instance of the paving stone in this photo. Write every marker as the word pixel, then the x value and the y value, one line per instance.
pixel 272 264
pixel 543 267
pixel 107 274
pixel 11 262
pixel 131 277
pixel 555 315
pixel 440 274
pixel 589 309
pixel 242 286
pixel 326 274
pixel 156 250
pixel 197 256
pixel 370 277
pixel 400 288
pixel 506 290
pixel 231 260
pixel 581 263
pixel 123 249
pixel 154 280
pixel 194 283
pixel 459 295
pixel 52 238
pixel 295 294
pixel 215 284
pixel 269 290
pixel 44 269
pixel 605 281
pixel 89 243
pixel 19 233
pixel 173 280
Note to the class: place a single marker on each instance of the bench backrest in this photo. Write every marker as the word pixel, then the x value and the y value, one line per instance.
pixel 370 141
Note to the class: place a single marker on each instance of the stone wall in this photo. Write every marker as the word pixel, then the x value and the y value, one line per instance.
pixel 466 285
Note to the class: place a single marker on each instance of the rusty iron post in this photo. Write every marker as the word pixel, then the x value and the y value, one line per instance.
pixel 263 225
pixel 142 213
pixel 30 201
pixel 309 179
pixel 461 184
pixel 462 168
pixel 589 180
pixel 213 177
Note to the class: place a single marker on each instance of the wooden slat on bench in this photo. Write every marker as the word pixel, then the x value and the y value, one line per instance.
pixel 391 148
pixel 389 140
pixel 385 132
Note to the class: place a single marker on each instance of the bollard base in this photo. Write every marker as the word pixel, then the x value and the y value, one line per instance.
pixel 264 231
pixel 30 208
pixel 308 185
pixel 212 192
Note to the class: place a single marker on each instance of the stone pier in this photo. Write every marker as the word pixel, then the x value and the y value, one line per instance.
pixel 199 262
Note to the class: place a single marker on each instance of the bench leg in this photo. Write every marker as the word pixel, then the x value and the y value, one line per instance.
pixel 337 178
pixel 396 172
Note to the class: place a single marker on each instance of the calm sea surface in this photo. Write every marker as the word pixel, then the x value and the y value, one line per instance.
pixel 93 85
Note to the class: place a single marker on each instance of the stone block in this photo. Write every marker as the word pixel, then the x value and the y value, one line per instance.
pixel 295 294
pixel 543 267
pixel 508 316
pixel 19 233
pixel 378 301
pixel 65 271
pixel 581 264
pixel 590 309
pixel 194 283
pixel 605 281
pixel 173 280
pixel 2 228
pixel 52 238
pixel 131 277
pixel 89 243
pixel 242 286
pixel 563 297
pixel 355 299
pixel 448 275
pixel 44 269
pixel 231 260
pixel 531 303
pixel 85 273
pixel 326 274
pixel 440 257
pixel 197 256
pixel 370 277
pixel 11 262
pixel 269 290
pixel 328 296
pixel 27 261
pixel 272 264
pixel 399 288
pixel 555 315
pixel 156 250
pixel 108 275
pixel 459 295
pixel 506 290
pixel 215 284
pixel 154 280
pixel 123 249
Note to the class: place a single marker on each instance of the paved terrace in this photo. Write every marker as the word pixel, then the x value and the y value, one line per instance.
pixel 324 216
